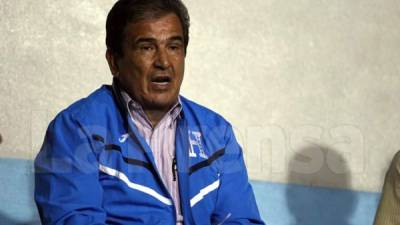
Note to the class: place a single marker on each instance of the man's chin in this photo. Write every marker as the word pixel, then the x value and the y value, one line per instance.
pixel 160 104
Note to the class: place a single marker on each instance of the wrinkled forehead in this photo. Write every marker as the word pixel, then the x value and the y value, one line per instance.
pixel 162 27
pixel 150 14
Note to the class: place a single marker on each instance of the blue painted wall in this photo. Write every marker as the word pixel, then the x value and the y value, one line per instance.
pixel 280 204
pixel 16 193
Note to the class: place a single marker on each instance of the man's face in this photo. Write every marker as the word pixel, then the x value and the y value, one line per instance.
pixel 152 66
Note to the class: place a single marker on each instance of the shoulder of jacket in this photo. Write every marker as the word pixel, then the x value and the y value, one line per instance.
pixel 89 106
pixel 202 114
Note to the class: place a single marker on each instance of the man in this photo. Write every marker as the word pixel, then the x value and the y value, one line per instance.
pixel 388 212
pixel 136 152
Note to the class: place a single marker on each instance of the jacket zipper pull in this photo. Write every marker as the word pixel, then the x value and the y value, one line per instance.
pixel 174 169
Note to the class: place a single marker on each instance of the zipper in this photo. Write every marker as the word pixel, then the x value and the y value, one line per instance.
pixel 148 153
pixel 174 169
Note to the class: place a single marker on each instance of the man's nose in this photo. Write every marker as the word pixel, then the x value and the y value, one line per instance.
pixel 162 59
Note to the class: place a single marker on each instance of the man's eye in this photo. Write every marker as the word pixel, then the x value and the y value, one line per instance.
pixel 175 47
pixel 146 48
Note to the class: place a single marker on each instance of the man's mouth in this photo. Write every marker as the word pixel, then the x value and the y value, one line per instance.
pixel 161 80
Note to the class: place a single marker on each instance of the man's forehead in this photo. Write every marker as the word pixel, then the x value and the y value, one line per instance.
pixel 166 25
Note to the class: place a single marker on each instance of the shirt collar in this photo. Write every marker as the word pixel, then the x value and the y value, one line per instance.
pixel 132 105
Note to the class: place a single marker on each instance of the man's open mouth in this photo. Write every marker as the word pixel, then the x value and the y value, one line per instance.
pixel 161 79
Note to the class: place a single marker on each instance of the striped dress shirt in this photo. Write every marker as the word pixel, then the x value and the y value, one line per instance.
pixel 161 140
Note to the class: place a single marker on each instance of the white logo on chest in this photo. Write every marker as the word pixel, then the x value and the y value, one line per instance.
pixel 123 138
pixel 195 145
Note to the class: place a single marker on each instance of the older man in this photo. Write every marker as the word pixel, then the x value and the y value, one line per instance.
pixel 136 152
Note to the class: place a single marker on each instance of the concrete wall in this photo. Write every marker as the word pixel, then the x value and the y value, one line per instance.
pixel 312 87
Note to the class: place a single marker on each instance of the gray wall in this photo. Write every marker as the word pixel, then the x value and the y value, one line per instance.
pixel 310 86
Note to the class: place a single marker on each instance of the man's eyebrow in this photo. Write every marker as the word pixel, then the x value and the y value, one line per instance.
pixel 153 40
pixel 145 39
pixel 176 38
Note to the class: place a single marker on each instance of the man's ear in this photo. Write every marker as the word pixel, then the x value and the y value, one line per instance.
pixel 112 63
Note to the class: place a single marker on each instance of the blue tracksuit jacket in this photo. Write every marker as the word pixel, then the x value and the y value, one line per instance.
pixel 95 168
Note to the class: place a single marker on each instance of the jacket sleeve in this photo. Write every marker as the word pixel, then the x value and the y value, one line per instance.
pixel 236 203
pixel 67 188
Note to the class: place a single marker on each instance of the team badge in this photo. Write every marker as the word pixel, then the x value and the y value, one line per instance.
pixel 196 147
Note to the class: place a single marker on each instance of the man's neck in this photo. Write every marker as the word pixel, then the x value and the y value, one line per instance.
pixel 155 116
